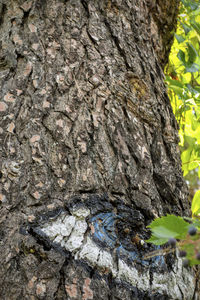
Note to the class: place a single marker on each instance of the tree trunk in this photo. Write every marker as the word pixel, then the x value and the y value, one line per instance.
pixel 89 150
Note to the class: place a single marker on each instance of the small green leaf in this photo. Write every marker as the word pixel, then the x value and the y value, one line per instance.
pixel 196 203
pixel 181 56
pixel 174 82
pixel 186 157
pixel 192 68
pixel 192 53
pixel 193 165
pixel 197 89
pixel 186 28
pixel 167 227
pixel 196 26
pixel 179 38
pixel 179 91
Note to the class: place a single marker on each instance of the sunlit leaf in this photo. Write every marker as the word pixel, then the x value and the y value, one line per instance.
pixel 186 28
pixel 193 165
pixel 196 203
pixel 174 82
pixel 179 38
pixel 167 227
pixel 192 53
pixel 176 89
pixel 192 68
pixel 181 56
pixel 196 26
pixel 186 158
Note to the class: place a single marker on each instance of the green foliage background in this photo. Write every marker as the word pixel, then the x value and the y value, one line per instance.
pixel 183 80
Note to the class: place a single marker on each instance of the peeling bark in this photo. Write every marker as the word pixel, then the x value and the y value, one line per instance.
pixel 89 150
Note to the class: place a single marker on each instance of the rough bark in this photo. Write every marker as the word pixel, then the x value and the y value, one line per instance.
pixel 89 150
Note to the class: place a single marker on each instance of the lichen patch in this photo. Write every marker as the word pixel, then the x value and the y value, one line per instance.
pixel 35 138
pixel 88 293
pixel 71 289
pixel 9 98
pixel 3 106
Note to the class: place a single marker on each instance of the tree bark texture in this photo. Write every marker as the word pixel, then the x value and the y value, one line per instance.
pixel 89 150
